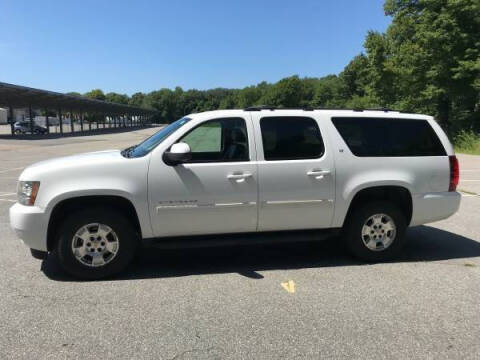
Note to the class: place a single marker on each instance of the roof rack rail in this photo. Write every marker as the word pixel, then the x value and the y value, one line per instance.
pixel 380 109
pixel 308 108
pixel 268 107
pixel 260 107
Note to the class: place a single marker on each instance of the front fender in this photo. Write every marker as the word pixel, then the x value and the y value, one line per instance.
pixel 138 201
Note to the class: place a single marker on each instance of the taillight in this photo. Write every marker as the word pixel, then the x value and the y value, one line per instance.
pixel 454 173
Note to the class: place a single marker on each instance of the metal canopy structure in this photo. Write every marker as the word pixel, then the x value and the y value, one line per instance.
pixel 23 97
pixel 81 110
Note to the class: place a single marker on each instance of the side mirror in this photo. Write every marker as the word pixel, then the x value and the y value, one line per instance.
pixel 179 153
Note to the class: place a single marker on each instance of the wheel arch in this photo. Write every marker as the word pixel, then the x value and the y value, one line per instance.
pixel 69 205
pixel 396 194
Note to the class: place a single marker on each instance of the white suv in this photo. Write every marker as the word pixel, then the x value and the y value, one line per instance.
pixel 246 172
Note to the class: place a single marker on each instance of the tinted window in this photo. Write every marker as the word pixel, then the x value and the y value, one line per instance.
pixel 219 140
pixel 389 137
pixel 290 138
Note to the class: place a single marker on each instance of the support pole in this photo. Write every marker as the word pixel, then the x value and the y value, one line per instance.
pixel 72 129
pixel 81 121
pixel 47 121
pixel 60 120
pixel 12 129
pixel 31 118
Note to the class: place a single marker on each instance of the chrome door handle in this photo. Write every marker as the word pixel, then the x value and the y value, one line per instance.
pixel 239 176
pixel 319 174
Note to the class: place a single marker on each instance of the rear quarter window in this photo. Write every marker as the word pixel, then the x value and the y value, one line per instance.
pixel 387 137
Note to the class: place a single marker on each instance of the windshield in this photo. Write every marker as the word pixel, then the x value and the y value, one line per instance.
pixel 147 145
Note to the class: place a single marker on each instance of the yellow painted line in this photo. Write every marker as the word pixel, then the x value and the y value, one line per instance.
pixel 289 286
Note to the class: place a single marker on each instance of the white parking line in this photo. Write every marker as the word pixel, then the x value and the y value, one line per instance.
pixel 468 180
pixel 7 170
pixel 8 194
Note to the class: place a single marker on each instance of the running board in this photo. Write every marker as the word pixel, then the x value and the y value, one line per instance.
pixel 238 239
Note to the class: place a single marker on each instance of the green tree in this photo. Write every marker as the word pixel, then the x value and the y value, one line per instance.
pixel 286 93
pixel 96 94
pixel 137 99
pixel 117 98
pixel 435 57
pixel 355 77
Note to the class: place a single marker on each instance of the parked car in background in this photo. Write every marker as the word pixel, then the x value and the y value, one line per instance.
pixel 23 127
pixel 367 175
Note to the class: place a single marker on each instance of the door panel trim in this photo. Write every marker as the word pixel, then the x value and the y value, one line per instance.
pixel 200 206
pixel 285 202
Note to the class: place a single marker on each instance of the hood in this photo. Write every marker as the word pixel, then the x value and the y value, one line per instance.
pixel 91 159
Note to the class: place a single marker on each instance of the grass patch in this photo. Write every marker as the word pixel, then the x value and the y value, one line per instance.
pixel 467 142
pixel 470 265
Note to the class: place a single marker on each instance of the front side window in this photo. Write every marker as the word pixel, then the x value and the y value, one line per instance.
pixel 386 137
pixel 291 138
pixel 219 140
pixel 153 141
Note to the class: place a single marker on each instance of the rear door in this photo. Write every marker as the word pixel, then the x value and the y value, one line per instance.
pixel 296 173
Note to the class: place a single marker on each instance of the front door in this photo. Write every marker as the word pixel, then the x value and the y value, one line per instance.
pixel 215 192
pixel 295 173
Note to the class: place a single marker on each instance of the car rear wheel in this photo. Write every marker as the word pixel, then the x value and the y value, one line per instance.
pixel 94 244
pixel 375 231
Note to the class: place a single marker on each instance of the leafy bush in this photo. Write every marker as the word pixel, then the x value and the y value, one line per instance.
pixel 467 141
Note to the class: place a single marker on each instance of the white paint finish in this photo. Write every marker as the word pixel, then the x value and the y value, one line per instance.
pixel 220 196
pixel 433 207
pixel 238 196
pixel 297 189
pixel 97 173
pixel 419 175
pixel 30 224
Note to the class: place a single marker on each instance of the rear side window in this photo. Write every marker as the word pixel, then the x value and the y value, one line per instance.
pixel 291 138
pixel 377 137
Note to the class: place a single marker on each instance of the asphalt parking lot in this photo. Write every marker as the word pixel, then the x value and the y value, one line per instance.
pixel 229 303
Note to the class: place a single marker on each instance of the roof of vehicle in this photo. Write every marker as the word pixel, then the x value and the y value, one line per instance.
pixel 360 113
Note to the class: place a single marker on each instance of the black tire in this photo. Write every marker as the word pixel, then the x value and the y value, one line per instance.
pixel 127 239
pixel 18 132
pixel 357 219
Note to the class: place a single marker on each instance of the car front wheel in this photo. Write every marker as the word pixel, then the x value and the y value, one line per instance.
pixel 94 244
pixel 375 231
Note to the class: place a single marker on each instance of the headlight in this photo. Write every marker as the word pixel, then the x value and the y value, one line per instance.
pixel 27 192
